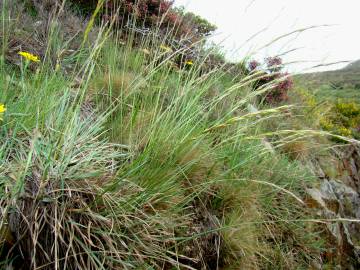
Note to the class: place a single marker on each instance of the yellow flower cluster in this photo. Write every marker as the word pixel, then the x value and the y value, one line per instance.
pixel 30 57
pixel 189 63
pixel 343 131
pixel 326 124
pixel 344 120
pixel 2 110
pixel 349 109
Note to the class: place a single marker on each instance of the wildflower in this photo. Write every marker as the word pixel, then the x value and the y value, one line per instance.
pixel 273 62
pixel 253 65
pixel 189 63
pixel 165 48
pixel 2 110
pixel 30 57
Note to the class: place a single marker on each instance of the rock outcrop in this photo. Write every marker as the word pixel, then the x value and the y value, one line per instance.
pixel 338 201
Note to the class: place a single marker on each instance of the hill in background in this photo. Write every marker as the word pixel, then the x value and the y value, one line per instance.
pixel 336 84
pixel 353 66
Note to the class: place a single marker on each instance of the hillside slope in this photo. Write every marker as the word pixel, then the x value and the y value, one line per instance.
pixel 342 83
pixel 121 150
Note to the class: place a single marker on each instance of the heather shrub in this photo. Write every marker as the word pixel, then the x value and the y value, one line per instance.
pixel 152 13
pixel 146 12
pixel 161 24
pixel 271 73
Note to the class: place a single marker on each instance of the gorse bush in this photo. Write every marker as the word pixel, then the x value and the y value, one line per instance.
pixel 343 119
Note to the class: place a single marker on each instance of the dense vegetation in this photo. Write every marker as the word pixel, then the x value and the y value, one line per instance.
pixel 126 143
pixel 339 91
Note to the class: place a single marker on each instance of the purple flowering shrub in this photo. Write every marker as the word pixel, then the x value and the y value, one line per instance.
pixel 274 64
pixel 253 65
pixel 271 74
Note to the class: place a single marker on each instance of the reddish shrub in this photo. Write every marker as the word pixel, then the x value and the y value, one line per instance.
pixel 274 63
pixel 159 12
pixel 187 28
pixel 282 81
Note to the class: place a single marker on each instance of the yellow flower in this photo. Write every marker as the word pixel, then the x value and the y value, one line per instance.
pixel 165 48
pixel 2 110
pixel 29 56
pixel 189 63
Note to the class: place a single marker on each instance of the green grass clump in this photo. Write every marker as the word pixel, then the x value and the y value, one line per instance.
pixel 113 159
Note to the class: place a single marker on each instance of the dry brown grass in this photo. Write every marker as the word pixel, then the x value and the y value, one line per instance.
pixel 297 150
pixel 84 224
pixel 115 83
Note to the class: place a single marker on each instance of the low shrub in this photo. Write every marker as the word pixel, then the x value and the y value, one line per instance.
pixel 152 13
pixel 271 75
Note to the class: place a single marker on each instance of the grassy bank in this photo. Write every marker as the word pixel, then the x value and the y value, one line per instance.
pixel 111 157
